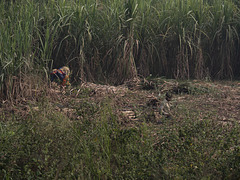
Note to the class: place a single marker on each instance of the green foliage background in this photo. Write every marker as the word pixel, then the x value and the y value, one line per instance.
pixel 111 41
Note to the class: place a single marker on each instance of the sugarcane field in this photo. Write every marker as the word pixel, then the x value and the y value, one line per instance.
pixel 120 89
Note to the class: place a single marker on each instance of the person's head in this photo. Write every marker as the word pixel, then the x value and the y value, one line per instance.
pixel 61 75
pixel 57 74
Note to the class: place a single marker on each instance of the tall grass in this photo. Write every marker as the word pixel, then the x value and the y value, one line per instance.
pixel 111 41
pixel 51 146
pixel 47 144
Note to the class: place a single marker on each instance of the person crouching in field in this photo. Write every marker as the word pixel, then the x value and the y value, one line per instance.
pixel 61 75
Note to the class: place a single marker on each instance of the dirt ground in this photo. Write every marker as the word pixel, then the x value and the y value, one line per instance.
pixel 224 101
pixel 138 100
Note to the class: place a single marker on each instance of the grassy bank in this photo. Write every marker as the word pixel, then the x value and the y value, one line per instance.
pixel 90 136
pixel 111 41
pixel 51 146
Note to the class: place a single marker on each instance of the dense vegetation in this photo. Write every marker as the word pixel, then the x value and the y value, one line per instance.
pixel 89 138
pixel 111 41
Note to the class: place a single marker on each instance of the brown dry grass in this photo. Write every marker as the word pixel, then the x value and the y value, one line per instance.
pixel 130 101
